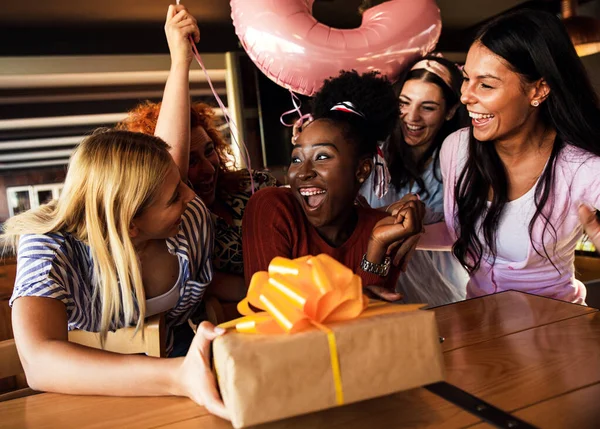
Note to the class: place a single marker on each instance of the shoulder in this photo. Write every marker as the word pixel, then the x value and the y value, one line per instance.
pixel 272 206
pixel 577 159
pixel 196 225
pixel 45 246
pixel 263 179
pixel 49 265
pixel 454 151
pixel 196 212
pixel 454 142
pixel 579 169
pixel 280 197
pixel 239 181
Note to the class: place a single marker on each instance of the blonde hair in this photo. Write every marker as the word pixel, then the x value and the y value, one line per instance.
pixel 113 177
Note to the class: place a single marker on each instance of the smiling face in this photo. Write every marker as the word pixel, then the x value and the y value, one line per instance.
pixel 422 112
pixel 204 165
pixel 161 219
pixel 324 173
pixel 498 101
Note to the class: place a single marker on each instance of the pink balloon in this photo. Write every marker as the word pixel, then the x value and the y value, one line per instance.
pixel 297 52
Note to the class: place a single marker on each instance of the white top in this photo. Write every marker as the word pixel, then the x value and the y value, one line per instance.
pixel 512 236
pixel 164 302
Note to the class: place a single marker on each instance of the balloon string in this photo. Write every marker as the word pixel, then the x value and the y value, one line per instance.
pixel 297 105
pixel 230 122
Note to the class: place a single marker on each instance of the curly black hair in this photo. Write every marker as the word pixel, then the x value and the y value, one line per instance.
pixel 372 95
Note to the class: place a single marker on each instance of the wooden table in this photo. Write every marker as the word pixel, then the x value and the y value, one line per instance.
pixel 534 357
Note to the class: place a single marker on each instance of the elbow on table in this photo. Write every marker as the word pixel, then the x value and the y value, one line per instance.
pixel 38 378
pixel 38 369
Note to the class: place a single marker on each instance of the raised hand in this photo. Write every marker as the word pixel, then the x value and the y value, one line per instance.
pixel 179 26
pixel 173 124
pixel 391 234
pixel 394 207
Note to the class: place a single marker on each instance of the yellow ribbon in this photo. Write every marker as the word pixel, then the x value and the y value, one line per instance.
pixel 312 291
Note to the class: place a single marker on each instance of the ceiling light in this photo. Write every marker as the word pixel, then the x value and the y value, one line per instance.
pixel 584 31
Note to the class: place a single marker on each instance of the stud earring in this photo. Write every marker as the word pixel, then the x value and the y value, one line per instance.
pixel 361 180
pixel 535 103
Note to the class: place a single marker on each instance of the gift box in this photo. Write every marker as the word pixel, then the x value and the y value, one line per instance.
pixel 319 344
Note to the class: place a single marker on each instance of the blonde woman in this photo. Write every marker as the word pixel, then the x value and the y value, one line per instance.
pixel 125 240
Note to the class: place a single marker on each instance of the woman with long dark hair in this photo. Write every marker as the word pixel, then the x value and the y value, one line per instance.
pixel 515 179
pixel 429 97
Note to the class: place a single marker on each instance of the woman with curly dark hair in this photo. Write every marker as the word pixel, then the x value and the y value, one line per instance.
pixel 331 159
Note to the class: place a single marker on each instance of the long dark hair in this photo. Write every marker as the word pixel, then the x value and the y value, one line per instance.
pixel 403 167
pixel 535 45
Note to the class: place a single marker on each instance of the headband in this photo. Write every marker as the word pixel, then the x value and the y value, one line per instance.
pixel 436 68
pixel 348 107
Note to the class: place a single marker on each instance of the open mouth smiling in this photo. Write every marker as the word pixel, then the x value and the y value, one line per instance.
pixel 480 118
pixel 313 197
pixel 414 128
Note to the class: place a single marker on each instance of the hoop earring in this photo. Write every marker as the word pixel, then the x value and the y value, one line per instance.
pixel 535 103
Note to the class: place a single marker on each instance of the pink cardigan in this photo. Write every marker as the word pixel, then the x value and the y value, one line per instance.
pixel 577 181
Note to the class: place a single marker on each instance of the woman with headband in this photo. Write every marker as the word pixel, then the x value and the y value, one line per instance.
pixel 331 159
pixel 516 182
pixel 428 94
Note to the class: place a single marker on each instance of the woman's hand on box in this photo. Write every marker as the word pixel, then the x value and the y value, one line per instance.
pixel 195 375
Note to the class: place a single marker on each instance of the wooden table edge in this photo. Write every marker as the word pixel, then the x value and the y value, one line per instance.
pixel 590 310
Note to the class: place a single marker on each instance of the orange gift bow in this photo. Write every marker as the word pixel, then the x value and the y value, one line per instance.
pixel 296 294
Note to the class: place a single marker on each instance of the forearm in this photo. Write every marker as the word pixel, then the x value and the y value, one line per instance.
pixel 173 125
pixel 436 238
pixel 60 366
pixel 376 251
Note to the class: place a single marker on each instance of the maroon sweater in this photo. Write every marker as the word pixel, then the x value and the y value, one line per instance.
pixel 274 225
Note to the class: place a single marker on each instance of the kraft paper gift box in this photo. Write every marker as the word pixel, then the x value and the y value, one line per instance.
pixel 270 376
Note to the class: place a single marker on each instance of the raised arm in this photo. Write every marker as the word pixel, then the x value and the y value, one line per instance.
pixel 53 364
pixel 436 238
pixel 173 124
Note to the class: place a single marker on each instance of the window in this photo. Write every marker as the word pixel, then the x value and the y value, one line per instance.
pixel 585 245
pixel 23 198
